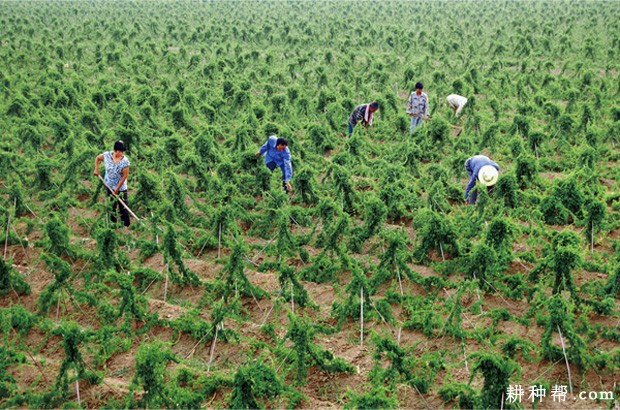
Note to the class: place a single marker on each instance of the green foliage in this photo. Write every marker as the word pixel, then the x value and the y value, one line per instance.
pixel 496 371
pixel 254 382
pixel 236 281
pixel 565 257
pixel 288 279
pixel 378 397
pixel 12 280
pixel 72 336
pixel 61 285
pixel 58 238
pixel 151 361
pixel 376 212
pixel 192 101
pixel 561 319
pixel 462 391
pixel 172 255
pixel 306 352
pixel 434 232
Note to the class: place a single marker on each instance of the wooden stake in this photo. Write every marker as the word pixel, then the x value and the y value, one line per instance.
pixel 219 241
pixel 77 390
pixel 361 315
pixel 212 347
pixel 292 298
pixel 8 223
pixel 166 283
pixel 592 238
pixel 570 380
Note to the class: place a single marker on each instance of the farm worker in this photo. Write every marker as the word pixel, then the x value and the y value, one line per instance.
pixel 362 113
pixel 456 102
pixel 483 169
pixel 277 154
pixel 417 106
pixel 116 172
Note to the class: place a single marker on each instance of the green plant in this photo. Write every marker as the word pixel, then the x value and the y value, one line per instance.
pixel 434 232
pixel 151 361
pixel 496 371
pixel 253 382
pixel 306 352
pixel 11 280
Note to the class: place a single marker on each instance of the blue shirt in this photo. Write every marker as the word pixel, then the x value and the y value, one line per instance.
pixel 473 165
pixel 114 172
pixel 281 158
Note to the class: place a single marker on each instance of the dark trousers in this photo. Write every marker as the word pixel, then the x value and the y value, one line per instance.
pixel 473 194
pixel 117 204
pixel 272 166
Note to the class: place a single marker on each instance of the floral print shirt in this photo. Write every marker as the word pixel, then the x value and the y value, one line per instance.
pixel 418 105
pixel 114 172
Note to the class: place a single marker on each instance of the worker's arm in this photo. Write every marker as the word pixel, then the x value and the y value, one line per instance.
pixel 470 185
pixel 98 160
pixel 288 166
pixel 264 148
pixel 122 180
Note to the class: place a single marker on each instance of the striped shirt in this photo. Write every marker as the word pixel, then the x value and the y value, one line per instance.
pixel 358 114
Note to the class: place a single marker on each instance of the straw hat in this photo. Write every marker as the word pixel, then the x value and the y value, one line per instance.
pixel 488 175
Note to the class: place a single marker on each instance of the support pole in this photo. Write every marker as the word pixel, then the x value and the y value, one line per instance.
pixel 119 199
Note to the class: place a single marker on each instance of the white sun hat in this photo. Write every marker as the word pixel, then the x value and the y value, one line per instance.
pixel 488 175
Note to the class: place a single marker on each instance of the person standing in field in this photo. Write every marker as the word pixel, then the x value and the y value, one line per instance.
pixel 417 106
pixel 456 102
pixel 116 173
pixel 362 113
pixel 277 154
pixel 483 169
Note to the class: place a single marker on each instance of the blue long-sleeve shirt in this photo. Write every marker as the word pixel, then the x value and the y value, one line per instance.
pixel 472 166
pixel 281 158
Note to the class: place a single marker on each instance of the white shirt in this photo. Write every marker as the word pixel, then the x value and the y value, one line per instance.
pixel 457 101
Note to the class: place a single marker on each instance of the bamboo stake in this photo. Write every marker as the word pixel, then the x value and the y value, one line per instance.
pixel 119 199
pixel 441 249
pixel 425 402
pixel 570 380
pixel 292 298
pixel 361 315
pixel 400 283
pixel 8 224
pixel 77 391
pixel 592 237
pixel 58 305
pixel 212 348
pixel 219 241
pixel 37 364
pixel 166 283
pixel 273 306
pixel 465 355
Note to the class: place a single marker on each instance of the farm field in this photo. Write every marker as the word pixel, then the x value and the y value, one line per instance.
pixel 374 285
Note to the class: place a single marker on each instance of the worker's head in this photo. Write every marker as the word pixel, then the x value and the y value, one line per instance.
pixel 281 144
pixel 419 87
pixel 374 106
pixel 488 175
pixel 119 146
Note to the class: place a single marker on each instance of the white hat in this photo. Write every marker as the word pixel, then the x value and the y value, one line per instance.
pixel 488 175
